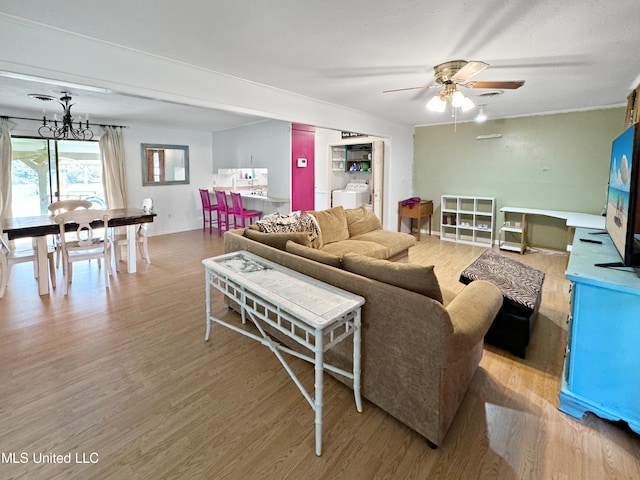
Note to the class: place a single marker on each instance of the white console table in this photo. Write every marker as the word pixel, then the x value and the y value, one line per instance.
pixel 314 314
pixel 574 220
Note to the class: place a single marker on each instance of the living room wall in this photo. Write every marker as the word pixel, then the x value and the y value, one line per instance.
pixel 262 145
pixel 42 51
pixel 554 162
pixel 178 207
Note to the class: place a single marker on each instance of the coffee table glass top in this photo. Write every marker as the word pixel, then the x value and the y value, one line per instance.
pixel 315 301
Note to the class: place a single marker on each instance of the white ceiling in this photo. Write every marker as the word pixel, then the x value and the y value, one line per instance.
pixel 572 54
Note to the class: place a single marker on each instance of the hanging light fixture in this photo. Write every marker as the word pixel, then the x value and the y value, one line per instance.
pixel 438 102
pixel 481 117
pixel 457 99
pixel 65 129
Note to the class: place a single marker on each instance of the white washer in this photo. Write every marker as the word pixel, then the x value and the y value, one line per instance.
pixel 353 195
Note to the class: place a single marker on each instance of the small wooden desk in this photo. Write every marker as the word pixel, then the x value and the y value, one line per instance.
pixel 425 209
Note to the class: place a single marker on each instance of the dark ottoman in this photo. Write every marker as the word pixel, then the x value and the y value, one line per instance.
pixel 521 288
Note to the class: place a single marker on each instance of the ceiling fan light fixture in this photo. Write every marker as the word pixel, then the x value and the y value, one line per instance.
pixel 467 104
pixel 436 104
pixel 457 99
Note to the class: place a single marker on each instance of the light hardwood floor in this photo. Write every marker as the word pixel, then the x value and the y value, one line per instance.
pixel 125 374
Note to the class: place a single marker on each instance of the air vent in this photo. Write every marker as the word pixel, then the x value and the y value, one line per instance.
pixel 42 97
pixel 491 93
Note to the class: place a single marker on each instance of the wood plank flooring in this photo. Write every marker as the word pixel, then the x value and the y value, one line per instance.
pixel 125 374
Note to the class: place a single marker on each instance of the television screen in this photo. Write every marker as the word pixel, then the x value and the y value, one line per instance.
pixel 623 196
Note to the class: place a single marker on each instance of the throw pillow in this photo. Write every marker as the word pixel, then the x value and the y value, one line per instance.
pixel 278 240
pixel 360 220
pixel 291 222
pixel 333 225
pixel 314 254
pixel 417 278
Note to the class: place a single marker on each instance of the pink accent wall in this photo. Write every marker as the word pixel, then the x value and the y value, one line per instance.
pixel 302 178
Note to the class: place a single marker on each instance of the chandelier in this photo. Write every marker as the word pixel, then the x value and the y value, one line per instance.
pixel 438 102
pixel 65 129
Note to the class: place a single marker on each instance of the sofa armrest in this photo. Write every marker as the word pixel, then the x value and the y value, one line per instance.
pixel 471 312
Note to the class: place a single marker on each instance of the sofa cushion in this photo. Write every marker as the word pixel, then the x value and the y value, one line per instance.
pixel 314 254
pixel 333 225
pixel 417 278
pixel 395 242
pixel 278 240
pixel 360 220
pixel 369 249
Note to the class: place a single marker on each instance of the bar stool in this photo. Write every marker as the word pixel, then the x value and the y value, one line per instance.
pixel 207 210
pixel 223 211
pixel 240 212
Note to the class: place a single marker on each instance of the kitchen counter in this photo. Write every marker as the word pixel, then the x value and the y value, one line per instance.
pixel 259 195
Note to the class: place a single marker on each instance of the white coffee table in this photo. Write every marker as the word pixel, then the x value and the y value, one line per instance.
pixel 316 315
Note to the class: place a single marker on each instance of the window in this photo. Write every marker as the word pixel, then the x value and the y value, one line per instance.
pixel 45 171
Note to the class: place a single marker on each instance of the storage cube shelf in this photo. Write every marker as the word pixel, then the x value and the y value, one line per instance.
pixel 466 219
pixel 513 234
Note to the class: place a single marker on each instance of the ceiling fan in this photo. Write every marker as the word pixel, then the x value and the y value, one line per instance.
pixel 449 75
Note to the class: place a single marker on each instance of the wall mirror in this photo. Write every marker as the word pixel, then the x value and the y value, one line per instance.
pixel 164 164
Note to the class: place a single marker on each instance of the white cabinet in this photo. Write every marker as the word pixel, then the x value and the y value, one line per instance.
pixel 338 156
pixel 467 219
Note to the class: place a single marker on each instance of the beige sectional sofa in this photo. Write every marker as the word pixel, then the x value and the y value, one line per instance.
pixel 418 355
pixel 333 233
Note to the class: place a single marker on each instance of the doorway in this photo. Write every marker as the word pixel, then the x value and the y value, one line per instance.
pixel 44 171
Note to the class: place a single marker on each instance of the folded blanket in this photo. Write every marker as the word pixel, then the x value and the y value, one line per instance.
pixel 410 202
pixel 291 222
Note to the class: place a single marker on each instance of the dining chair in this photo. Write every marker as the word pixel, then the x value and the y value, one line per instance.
pixel 223 211
pixel 80 241
pixel 11 255
pixel 120 239
pixel 64 206
pixel 207 210
pixel 240 212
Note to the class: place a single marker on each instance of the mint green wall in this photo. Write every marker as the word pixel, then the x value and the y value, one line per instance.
pixel 555 162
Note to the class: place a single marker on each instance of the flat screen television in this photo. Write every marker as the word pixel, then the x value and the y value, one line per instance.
pixel 623 198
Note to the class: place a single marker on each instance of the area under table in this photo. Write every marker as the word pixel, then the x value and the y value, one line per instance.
pixel 316 315
pixel 573 220
pixel 39 226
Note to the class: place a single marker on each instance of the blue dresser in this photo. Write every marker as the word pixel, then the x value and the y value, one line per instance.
pixel 602 364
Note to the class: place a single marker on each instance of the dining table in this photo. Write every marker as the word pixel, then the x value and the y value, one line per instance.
pixel 40 226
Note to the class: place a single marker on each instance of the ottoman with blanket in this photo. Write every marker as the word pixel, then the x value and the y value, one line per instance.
pixel 521 287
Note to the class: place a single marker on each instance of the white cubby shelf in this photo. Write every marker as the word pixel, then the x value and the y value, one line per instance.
pixel 467 219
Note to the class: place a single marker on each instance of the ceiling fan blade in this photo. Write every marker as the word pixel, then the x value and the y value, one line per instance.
pixel 405 89
pixel 498 85
pixel 469 70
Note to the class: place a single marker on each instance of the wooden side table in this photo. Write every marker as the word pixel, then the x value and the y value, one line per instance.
pixel 424 209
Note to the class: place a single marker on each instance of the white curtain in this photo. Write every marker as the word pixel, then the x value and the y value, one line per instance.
pixel 114 176
pixel 5 168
